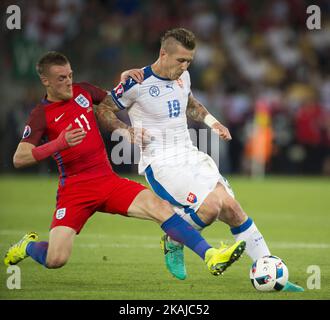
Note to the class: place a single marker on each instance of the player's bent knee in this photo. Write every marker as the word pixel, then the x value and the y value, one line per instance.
pixel 210 210
pixel 208 215
pixel 232 213
pixel 56 262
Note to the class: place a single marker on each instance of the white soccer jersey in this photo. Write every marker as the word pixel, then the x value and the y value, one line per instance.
pixel 158 105
pixel 175 169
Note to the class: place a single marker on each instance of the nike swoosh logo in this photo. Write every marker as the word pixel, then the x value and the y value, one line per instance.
pixel 58 118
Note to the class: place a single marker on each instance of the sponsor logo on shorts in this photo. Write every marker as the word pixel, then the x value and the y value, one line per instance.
pixel 60 213
pixel 27 132
pixel 191 198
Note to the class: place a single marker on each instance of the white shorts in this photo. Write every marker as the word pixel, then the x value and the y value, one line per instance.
pixel 186 184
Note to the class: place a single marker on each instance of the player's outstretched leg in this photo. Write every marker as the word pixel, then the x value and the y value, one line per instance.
pixel 17 252
pixel 218 260
pixel 146 205
pixel 174 257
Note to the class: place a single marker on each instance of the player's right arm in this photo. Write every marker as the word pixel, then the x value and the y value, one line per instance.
pixel 106 115
pixel 28 154
pixel 23 156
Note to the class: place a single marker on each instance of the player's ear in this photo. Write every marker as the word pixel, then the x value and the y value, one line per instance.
pixel 162 52
pixel 44 80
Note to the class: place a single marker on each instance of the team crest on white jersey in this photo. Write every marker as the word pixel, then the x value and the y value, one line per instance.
pixel 27 132
pixel 82 101
pixel 154 91
pixel 60 213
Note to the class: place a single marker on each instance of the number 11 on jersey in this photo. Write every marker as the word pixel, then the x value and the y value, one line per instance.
pixel 82 116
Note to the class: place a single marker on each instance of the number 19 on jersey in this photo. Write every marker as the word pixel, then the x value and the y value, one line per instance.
pixel 173 108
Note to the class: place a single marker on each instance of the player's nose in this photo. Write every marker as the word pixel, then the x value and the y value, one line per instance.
pixel 69 81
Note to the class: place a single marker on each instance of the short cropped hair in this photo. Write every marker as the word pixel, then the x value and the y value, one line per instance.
pixel 185 37
pixel 49 59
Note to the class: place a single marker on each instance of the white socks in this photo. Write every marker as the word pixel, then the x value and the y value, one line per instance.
pixel 256 246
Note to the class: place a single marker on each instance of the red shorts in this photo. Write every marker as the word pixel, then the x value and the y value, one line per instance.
pixel 79 200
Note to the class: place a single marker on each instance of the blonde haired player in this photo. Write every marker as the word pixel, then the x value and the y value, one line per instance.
pixel 175 169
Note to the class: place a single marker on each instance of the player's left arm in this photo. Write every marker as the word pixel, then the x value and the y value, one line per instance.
pixel 196 111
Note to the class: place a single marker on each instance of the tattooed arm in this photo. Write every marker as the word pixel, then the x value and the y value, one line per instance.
pixel 106 115
pixel 105 111
pixel 196 111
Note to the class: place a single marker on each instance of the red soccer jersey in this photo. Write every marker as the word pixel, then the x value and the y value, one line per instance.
pixel 48 119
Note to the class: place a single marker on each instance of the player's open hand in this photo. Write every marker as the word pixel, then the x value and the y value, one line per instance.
pixel 222 131
pixel 75 136
pixel 135 74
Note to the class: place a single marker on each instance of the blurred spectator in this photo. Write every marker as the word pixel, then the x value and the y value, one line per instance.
pixel 247 50
pixel 308 123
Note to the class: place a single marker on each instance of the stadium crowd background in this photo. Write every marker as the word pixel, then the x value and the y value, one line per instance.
pixel 249 53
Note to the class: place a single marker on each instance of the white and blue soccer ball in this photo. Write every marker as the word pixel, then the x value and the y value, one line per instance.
pixel 269 273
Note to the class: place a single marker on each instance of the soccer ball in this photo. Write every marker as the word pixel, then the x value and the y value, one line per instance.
pixel 269 273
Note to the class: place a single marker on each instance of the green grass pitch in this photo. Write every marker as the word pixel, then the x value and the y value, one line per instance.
pixel 119 258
